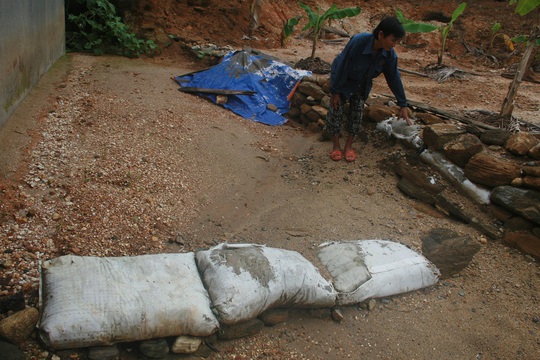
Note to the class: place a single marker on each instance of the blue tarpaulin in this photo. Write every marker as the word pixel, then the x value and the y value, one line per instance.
pixel 269 80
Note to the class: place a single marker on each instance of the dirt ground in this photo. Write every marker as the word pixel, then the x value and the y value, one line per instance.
pixel 105 157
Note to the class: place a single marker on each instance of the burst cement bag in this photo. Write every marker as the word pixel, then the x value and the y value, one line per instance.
pixel 91 301
pixel 366 269
pixel 244 280
pixel 398 128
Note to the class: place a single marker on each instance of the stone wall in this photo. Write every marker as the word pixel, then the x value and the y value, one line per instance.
pixel 499 163
pixel 32 38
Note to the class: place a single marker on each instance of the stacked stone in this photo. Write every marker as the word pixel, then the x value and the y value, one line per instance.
pixel 310 102
pixel 507 164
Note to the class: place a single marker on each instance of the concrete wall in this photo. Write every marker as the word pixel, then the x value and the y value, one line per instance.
pixel 32 38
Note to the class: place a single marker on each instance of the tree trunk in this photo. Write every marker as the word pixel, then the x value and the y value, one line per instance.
pixel 254 16
pixel 315 40
pixel 508 103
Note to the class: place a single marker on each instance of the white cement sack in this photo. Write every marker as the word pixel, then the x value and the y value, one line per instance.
pixel 456 176
pixel 244 280
pixel 90 301
pixel 366 269
pixel 398 128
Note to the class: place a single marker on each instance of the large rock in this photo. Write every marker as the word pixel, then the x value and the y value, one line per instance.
pixel 517 223
pixel 449 251
pixel 458 211
pixel 313 116
pixel 247 328
pixel 311 89
pixel 521 143
pixel 298 99
pixel 321 110
pixel 305 108
pixel 103 353
pixel 495 137
pixel 378 113
pixel 322 80
pixel 437 135
pixel 293 113
pixel 534 153
pixel 525 241
pixel 10 352
pixel 18 327
pixel 429 119
pixel 523 202
pixel 531 182
pixel 154 349
pixel 532 170
pixel 418 177
pixel 186 344
pixel 416 192
pixel 491 170
pixel 461 149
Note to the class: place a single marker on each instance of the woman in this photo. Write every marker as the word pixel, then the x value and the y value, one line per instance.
pixel 364 58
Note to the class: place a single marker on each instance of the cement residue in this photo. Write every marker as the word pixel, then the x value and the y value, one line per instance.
pixel 248 259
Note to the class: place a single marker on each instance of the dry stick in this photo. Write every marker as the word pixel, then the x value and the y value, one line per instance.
pixel 412 72
pixel 426 75
pixel 216 91
pixel 508 103
pixel 447 114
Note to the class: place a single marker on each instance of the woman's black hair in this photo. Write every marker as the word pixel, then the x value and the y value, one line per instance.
pixel 390 25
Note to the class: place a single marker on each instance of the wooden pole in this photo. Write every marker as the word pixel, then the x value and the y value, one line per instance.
pixel 508 103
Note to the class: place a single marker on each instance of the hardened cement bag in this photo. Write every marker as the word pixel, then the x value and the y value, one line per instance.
pixel 91 301
pixel 244 280
pixel 366 269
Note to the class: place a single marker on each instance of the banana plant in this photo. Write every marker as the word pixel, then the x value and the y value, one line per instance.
pixel 419 27
pixel 525 6
pixel 317 21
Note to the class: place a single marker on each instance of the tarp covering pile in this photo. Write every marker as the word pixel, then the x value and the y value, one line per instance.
pixel 270 81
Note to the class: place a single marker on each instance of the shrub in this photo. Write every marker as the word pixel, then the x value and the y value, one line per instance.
pixel 97 29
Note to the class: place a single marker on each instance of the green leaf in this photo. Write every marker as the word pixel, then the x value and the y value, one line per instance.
pixel 414 27
pixel 459 10
pixel 311 16
pixel 402 19
pixel 526 6
pixel 496 27
pixel 524 39
pixel 419 27
pixel 520 39
pixel 289 26
pixel 343 13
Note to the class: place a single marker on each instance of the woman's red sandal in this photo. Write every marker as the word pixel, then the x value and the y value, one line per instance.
pixel 350 155
pixel 336 155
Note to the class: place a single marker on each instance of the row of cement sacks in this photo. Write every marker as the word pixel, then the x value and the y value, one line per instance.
pixel 91 301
